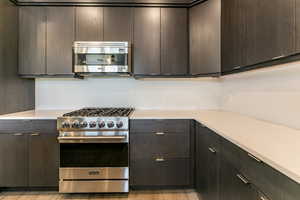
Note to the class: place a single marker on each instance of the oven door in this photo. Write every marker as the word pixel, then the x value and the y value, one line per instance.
pixel 94 168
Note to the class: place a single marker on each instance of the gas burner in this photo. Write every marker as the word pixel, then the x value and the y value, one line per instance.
pixel 100 112
pixel 90 119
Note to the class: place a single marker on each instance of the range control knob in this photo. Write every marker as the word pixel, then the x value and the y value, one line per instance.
pixel 119 124
pixel 93 124
pixel 75 124
pixel 101 124
pixel 110 124
pixel 83 124
pixel 65 125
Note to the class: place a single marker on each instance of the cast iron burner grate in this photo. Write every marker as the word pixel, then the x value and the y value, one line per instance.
pixel 100 112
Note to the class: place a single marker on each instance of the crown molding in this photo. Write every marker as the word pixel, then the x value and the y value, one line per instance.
pixel 133 3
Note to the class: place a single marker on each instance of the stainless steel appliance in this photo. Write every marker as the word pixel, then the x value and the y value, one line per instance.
pixel 101 57
pixel 94 151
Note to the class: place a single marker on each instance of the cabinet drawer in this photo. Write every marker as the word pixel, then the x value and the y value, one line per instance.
pixel 15 126
pixel 160 172
pixel 45 126
pixel 151 145
pixel 264 177
pixel 231 153
pixel 166 126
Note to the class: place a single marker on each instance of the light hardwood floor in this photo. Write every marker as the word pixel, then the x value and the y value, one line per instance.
pixel 133 195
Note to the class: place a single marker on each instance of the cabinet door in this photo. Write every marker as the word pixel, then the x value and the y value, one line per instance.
pixel 146 41
pixel 157 172
pixel 32 40
pixel 233 185
pixel 205 38
pixel 297 34
pixel 174 41
pixel 233 34
pixel 270 29
pixel 43 159
pixel 208 163
pixel 60 37
pixel 118 24
pixel 89 24
pixel 202 164
pixel 13 156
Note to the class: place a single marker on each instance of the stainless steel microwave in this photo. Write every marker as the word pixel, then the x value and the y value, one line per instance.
pixel 101 57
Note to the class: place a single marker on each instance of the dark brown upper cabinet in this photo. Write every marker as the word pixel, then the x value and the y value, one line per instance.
pixel 60 38
pixel 205 38
pixel 255 32
pixel 174 41
pixel 32 40
pixel 233 34
pixel 146 42
pixel 270 26
pixel 160 41
pixel 89 24
pixel 118 24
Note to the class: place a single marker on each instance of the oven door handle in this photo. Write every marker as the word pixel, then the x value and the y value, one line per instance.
pixel 91 138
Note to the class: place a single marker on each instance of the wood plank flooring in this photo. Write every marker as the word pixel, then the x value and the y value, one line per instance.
pixel 133 195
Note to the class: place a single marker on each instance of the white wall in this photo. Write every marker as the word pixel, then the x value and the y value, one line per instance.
pixel 141 94
pixel 271 94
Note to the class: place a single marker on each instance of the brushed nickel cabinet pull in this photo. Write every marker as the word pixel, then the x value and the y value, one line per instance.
pixel 34 134
pixel 253 157
pixel 212 150
pixel 263 198
pixel 237 67
pixel 243 179
pixel 202 125
pixel 277 57
pixel 159 133
pixel 159 159
pixel 18 134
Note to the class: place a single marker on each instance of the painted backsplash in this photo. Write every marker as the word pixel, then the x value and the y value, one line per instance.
pixel 271 94
pixel 181 94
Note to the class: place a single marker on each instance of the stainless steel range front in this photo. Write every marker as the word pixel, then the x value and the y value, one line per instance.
pixel 94 151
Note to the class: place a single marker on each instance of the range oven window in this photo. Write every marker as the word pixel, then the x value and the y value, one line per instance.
pixel 94 155
pixel 101 59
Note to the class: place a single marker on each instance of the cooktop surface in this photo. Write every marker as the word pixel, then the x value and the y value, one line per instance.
pixel 100 112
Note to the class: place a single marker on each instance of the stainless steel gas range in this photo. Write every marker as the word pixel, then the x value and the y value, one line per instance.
pixel 94 151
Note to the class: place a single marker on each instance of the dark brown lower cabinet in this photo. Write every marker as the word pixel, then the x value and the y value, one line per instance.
pixel 227 172
pixel 13 160
pixel 207 163
pixel 233 185
pixel 29 153
pixel 160 172
pixel 161 153
pixel 43 159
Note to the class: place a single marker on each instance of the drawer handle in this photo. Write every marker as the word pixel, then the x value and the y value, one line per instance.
pixel 35 134
pixel 243 179
pixel 18 134
pixel 277 57
pixel 212 150
pixel 263 198
pixel 159 159
pixel 159 133
pixel 237 67
pixel 254 158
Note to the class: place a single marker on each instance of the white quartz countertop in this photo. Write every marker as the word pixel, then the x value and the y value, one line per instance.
pixel 276 145
pixel 35 114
